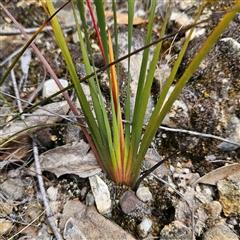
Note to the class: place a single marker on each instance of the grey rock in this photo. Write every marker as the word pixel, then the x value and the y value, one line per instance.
pixel 176 231
pixel 72 231
pixel 144 194
pixel 91 224
pixel 13 188
pixel 52 193
pixel 220 232
pixel 101 194
pixel 234 136
pixel 50 87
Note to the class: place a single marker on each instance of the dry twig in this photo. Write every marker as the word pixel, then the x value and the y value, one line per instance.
pixel 49 212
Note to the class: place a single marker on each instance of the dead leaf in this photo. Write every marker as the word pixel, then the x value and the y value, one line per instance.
pixel 15 151
pixel 18 129
pixel 219 174
pixel 15 141
pixel 75 158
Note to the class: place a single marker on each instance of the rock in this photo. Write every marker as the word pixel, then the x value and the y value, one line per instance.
pixel 14 173
pixel 144 227
pixel 176 231
pixel 52 193
pixel 144 194
pixel 220 232
pixel 229 195
pixel 90 199
pixel 91 224
pixel 6 208
pixel 50 87
pixel 233 45
pixel 72 231
pixel 55 206
pixel 129 202
pixel 5 226
pixel 234 136
pixel 13 188
pixel 215 209
pixel 101 194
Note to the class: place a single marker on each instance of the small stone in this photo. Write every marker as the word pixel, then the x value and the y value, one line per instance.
pixel 215 209
pixel 144 227
pixel 6 208
pixel 144 194
pixel 90 199
pixel 5 226
pixel 52 193
pixel 129 202
pixel 177 231
pixel 101 194
pixel 234 137
pixel 232 221
pixel 220 232
pixel 55 206
pixel 13 188
pixel 50 87
pixel 13 173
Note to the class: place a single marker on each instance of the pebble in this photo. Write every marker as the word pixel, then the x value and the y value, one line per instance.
pixel 144 194
pixel 50 87
pixel 13 188
pixel 220 232
pixel 129 202
pixel 13 173
pixel 234 137
pixel 101 194
pixel 5 226
pixel 52 193
pixel 215 208
pixel 90 199
pixel 6 208
pixel 144 227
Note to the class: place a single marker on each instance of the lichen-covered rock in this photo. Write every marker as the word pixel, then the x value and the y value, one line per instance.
pixel 176 231
pixel 220 232
pixel 229 193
